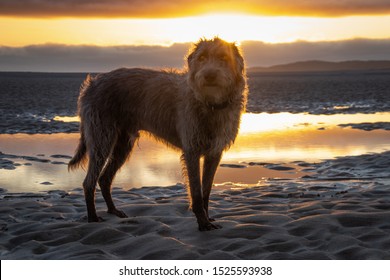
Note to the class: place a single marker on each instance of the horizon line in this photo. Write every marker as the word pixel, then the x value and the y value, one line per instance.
pixel 168 45
pixel 253 69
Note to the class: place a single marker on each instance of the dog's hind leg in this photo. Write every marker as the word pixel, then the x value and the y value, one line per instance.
pixel 210 166
pixel 99 142
pixel 121 152
pixel 96 163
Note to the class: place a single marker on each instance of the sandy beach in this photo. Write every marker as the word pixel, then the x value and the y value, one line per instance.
pixel 340 211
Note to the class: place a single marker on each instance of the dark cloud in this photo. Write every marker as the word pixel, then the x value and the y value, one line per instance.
pixel 63 58
pixel 262 54
pixel 163 8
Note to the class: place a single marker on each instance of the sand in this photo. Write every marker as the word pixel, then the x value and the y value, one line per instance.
pixel 340 211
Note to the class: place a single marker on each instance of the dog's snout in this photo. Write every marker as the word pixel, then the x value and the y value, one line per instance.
pixel 210 76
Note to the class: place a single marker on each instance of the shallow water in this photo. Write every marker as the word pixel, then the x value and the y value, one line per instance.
pixel 39 160
pixel 32 102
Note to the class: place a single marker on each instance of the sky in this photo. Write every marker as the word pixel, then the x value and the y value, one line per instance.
pixel 99 35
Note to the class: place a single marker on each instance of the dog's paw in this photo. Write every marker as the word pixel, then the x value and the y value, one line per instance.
pixel 208 227
pixel 117 213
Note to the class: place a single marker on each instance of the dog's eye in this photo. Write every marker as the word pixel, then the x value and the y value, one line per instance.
pixel 202 58
pixel 223 58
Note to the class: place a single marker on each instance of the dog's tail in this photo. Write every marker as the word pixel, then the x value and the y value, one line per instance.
pixel 79 157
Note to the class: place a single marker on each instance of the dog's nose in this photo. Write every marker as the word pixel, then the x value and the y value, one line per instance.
pixel 210 76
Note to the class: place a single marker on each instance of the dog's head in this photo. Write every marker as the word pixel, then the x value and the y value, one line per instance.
pixel 216 72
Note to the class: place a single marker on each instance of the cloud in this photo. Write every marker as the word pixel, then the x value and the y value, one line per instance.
pixel 175 8
pixel 64 58
pixel 262 54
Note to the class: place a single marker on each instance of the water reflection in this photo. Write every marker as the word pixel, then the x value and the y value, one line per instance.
pixel 307 143
pixel 255 123
pixel 271 138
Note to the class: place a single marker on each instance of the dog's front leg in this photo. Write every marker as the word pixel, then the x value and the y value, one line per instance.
pixel 210 166
pixel 191 160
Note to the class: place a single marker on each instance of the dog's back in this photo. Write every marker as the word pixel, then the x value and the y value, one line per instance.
pixel 133 99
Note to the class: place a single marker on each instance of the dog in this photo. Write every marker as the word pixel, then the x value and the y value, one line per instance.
pixel 196 111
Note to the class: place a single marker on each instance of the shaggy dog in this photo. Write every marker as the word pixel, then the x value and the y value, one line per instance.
pixel 197 111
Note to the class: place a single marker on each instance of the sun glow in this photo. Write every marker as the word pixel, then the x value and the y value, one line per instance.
pixel 264 122
pixel 233 27
pixel 277 29
pixel 230 27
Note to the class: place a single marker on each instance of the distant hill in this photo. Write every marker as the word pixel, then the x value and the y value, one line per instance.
pixel 317 65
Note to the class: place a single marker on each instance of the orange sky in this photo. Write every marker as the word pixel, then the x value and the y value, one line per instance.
pixel 161 22
pixel 21 31
pixel 183 8
pixel 104 23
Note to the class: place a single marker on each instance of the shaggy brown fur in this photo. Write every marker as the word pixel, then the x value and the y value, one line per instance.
pixel 197 111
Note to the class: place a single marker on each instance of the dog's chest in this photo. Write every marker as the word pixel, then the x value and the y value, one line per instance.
pixel 219 133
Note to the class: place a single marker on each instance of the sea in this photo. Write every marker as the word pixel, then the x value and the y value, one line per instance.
pixel 291 118
pixel 38 102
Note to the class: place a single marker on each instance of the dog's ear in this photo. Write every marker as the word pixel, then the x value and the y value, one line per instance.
pixel 195 48
pixel 239 58
pixel 190 57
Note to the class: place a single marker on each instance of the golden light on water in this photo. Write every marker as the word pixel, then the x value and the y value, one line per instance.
pixel 281 137
pixel 286 136
pixel 66 119
pixel 263 122
pixel 255 123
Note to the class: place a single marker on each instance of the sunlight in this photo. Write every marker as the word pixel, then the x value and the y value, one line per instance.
pixel 66 119
pixel 254 123
pixel 234 27
pixel 286 136
pixel 230 27
pixel 265 122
